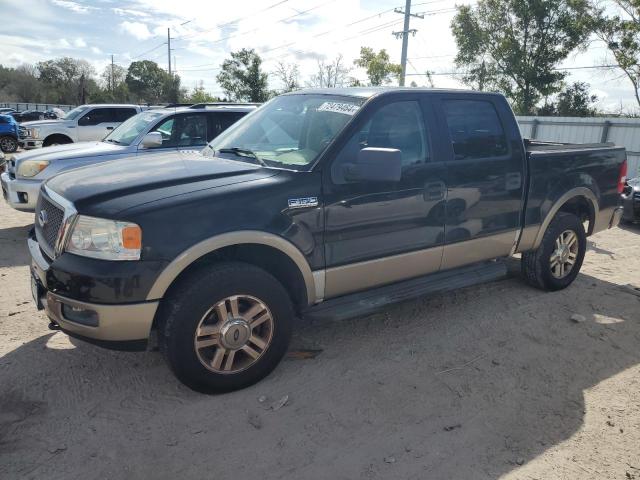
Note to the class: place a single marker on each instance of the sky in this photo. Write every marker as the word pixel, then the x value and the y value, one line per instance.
pixel 290 31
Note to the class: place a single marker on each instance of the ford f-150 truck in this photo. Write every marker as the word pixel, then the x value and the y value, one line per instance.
pixel 322 203
pixel 150 132
pixel 82 124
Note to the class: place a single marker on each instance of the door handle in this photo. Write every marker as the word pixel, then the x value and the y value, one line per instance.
pixel 109 128
pixel 434 191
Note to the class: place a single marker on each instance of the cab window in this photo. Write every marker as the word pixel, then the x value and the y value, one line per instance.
pixel 397 125
pixel 475 129
pixel 183 131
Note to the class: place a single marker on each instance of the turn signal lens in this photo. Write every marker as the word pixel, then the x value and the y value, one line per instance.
pixel 132 237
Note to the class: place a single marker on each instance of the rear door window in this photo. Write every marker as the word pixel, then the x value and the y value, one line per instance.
pixel 218 122
pixel 119 115
pixel 475 129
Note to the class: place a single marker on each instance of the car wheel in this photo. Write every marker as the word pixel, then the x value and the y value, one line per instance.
pixel 56 140
pixel 8 144
pixel 557 261
pixel 225 327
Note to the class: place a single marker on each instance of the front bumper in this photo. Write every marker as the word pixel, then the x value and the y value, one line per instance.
pixel 29 143
pixel 109 325
pixel 19 193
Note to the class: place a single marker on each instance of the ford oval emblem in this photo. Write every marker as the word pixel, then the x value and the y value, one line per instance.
pixel 43 218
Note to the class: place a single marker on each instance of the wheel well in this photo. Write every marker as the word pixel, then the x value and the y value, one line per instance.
pixel 57 136
pixel 582 208
pixel 268 258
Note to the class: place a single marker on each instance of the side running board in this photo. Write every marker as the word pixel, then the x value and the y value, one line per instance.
pixel 363 303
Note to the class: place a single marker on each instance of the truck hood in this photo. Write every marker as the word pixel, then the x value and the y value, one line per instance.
pixel 43 123
pixel 127 182
pixel 71 150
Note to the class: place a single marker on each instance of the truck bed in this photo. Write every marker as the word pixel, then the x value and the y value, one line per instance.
pixel 537 146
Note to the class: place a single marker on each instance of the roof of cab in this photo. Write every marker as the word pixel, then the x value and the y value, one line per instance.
pixel 367 92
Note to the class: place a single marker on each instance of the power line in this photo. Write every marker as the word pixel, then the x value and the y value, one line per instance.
pixel 149 51
pixel 239 19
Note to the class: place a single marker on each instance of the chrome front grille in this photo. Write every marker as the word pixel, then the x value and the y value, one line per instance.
pixel 48 221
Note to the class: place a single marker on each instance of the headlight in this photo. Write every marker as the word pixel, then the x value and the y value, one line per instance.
pixel 34 132
pixel 105 239
pixel 30 168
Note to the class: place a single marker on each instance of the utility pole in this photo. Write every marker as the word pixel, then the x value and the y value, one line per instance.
pixel 169 49
pixel 404 34
pixel 112 79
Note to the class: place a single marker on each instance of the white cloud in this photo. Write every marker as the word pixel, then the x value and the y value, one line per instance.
pixel 73 6
pixel 64 43
pixel 136 29
pixel 126 12
pixel 79 43
pixel 96 50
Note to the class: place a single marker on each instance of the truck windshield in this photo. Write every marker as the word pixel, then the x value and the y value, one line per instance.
pixel 289 132
pixel 128 131
pixel 75 113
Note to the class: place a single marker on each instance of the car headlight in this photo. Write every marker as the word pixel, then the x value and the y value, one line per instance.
pixel 34 132
pixel 30 168
pixel 105 239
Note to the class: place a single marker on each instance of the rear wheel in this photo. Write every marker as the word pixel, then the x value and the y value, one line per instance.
pixel 225 327
pixel 8 144
pixel 557 261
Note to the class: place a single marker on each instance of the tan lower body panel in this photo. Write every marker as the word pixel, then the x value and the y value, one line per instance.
pixel 115 322
pixel 381 271
pixel 478 249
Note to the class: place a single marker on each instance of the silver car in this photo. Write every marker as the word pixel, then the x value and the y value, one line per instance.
pixel 152 131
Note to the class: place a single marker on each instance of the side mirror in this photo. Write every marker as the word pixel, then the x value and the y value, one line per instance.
pixel 152 139
pixel 375 165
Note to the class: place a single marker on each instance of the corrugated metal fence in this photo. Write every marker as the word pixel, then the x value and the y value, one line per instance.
pixel 621 131
pixel 22 106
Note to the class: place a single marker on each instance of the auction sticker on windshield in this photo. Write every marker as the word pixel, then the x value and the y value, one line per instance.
pixel 339 107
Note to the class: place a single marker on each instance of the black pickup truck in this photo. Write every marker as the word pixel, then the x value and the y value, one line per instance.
pixel 321 203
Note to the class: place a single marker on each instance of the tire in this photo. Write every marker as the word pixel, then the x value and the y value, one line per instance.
pixel 56 140
pixel 8 144
pixel 537 265
pixel 195 305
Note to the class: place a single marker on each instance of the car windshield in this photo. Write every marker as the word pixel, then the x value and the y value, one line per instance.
pixel 128 131
pixel 75 113
pixel 289 132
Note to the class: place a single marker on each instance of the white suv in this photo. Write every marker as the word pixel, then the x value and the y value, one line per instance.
pixel 82 124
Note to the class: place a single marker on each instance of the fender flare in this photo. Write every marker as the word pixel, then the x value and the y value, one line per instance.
pixel 243 237
pixel 573 193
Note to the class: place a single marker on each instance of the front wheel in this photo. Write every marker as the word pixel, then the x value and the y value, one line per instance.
pixel 557 261
pixel 8 144
pixel 225 327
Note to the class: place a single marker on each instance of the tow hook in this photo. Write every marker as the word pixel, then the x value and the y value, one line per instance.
pixel 54 326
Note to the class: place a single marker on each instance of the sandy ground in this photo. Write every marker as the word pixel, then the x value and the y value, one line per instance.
pixel 493 381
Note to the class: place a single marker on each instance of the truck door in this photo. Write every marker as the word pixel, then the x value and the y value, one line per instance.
pixel 485 178
pixel 378 233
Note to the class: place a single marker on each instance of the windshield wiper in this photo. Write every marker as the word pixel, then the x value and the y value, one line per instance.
pixel 243 152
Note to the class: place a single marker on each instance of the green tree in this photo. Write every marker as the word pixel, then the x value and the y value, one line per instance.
pixel 200 95
pixel 379 68
pixel 621 34
pixel 66 80
pixel 575 100
pixel 242 78
pixel 146 81
pixel 515 46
